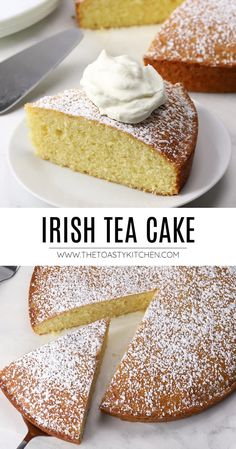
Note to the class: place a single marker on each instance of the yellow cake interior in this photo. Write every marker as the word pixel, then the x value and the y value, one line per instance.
pixel 93 312
pixel 112 13
pixel 91 147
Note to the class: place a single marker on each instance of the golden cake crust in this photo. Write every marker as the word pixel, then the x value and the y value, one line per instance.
pixel 51 386
pixel 78 7
pixel 116 413
pixel 205 62
pixel 182 358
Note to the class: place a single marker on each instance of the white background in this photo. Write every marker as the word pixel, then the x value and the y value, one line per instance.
pixel 21 236
pixel 134 42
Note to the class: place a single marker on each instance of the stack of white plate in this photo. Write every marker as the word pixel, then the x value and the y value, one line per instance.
pixel 16 15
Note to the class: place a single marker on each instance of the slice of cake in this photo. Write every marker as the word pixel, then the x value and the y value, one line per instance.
pixel 52 386
pixel 154 155
pixel 110 13
pixel 182 358
pixel 197 46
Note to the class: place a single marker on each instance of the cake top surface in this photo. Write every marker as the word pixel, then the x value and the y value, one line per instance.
pixel 170 129
pixel 50 385
pixel 183 355
pixel 55 290
pixel 199 31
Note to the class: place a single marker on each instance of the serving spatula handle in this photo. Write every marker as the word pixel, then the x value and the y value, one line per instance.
pixel 33 432
pixel 26 440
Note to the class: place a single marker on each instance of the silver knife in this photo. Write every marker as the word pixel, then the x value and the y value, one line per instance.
pixel 20 73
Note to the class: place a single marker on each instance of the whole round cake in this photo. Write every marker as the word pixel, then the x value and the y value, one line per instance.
pixel 182 358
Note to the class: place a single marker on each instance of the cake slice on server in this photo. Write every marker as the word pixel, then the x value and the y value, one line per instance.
pixel 52 386
pixel 126 126
pixel 182 358
pixel 197 46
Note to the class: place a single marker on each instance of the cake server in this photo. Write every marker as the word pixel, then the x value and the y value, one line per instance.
pixel 20 73
pixel 33 432
pixel 7 272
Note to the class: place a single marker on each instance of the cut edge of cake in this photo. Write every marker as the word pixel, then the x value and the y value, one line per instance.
pixel 64 297
pixel 86 314
pixel 111 14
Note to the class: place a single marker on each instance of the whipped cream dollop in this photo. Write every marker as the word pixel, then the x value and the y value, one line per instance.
pixel 122 89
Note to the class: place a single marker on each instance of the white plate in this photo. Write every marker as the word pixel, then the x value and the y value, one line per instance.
pixel 16 15
pixel 212 429
pixel 64 188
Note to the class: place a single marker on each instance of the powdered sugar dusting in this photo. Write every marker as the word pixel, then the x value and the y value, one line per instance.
pixel 183 356
pixel 199 31
pixel 60 289
pixel 169 129
pixel 51 384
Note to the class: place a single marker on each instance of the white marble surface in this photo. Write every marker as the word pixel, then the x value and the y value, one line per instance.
pixel 212 429
pixel 132 41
